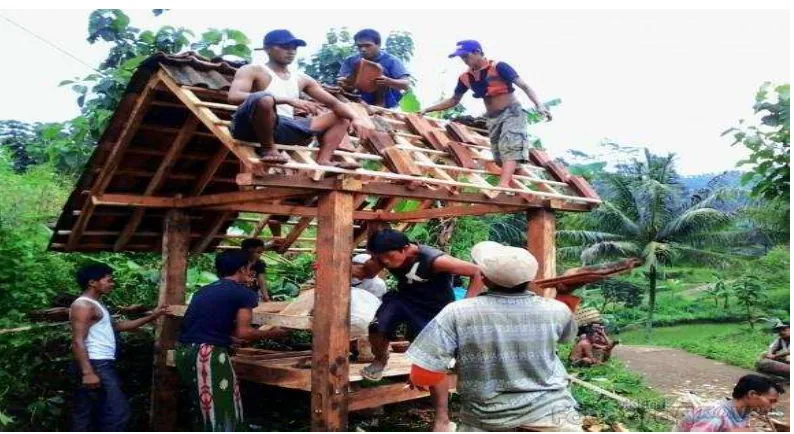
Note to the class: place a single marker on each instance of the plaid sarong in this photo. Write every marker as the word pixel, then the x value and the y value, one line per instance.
pixel 207 372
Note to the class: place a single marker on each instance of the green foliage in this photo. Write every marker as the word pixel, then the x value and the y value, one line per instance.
pixel 749 293
pixel 729 342
pixel 769 143
pixel 223 42
pixel 719 291
pixel 643 216
pixel 614 376
pixel 619 291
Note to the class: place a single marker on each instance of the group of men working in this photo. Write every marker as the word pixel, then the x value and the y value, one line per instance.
pixel 503 340
pixel 268 95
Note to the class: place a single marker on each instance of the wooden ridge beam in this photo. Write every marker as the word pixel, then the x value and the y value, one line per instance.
pixel 182 138
pixel 113 160
pixel 266 194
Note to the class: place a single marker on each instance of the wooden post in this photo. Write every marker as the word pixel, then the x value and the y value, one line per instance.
pixel 165 382
pixel 331 330
pixel 541 224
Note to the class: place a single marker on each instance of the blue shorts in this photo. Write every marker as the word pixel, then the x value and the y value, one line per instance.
pixel 395 311
pixel 287 131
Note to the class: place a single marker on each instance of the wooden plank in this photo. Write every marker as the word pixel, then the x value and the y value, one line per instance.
pixel 541 226
pixel 282 376
pixel 174 151
pixel 113 160
pixel 209 237
pixel 372 397
pixel 176 243
pixel 331 342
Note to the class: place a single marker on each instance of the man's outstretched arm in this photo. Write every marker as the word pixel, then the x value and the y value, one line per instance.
pixel 443 105
pixel 448 264
pixel 542 109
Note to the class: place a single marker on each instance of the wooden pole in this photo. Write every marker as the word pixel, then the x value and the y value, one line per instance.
pixel 541 224
pixel 165 382
pixel 330 341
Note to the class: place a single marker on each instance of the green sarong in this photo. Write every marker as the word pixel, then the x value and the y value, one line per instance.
pixel 207 372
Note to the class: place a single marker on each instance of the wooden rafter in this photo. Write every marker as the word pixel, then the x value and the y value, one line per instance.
pixel 113 161
pixel 209 237
pixel 181 140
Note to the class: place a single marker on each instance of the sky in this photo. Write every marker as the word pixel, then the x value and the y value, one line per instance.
pixel 669 80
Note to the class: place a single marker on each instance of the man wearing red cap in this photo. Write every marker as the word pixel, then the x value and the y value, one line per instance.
pixel 507 122
pixel 268 95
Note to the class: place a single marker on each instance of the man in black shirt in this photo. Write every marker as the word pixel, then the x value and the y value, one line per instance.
pixel 424 287
pixel 217 312
pixel 255 247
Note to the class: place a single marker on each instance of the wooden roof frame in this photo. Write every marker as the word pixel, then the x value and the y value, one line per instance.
pixel 168 176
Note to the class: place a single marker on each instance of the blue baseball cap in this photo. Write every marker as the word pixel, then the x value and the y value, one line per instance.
pixel 282 37
pixel 466 47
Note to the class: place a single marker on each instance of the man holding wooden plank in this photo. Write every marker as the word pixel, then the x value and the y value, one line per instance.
pixel 386 86
pixel 424 288
pixel 268 95
pixel 507 122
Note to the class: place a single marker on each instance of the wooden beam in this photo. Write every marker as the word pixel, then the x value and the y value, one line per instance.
pixel 330 342
pixel 296 231
pixel 541 227
pixel 209 172
pixel 268 208
pixel 265 194
pixel 448 211
pixel 135 200
pixel 260 317
pixel 181 140
pixel 113 160
pixel 388 189
pixel 176 242
pixel 282 376
pixel 372 397
pixel 209 237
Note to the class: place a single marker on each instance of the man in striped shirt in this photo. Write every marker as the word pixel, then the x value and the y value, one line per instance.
pixel 505 342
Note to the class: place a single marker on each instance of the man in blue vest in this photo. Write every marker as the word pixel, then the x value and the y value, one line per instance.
pixel 507 122
pixel 391 84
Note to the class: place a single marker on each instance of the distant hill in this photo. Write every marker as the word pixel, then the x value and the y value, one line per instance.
pixel 729 178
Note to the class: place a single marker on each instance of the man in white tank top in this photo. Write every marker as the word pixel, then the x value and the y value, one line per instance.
pixel 267 96
pixel 100 404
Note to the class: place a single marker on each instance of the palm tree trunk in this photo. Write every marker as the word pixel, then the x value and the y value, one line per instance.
pixel 651 295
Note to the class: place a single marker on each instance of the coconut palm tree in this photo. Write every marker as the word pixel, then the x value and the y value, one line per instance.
pixel 643 215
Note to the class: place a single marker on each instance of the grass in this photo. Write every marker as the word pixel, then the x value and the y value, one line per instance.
pixel 614 376
pixel 731 343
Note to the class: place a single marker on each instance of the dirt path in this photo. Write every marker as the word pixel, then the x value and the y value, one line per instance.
pixel 672 371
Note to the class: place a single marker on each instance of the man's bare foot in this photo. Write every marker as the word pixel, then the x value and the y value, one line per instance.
pixel 272 156
pixel 373 371
pixel 348 165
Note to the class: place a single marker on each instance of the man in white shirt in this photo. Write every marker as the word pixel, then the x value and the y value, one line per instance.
pixel 267 95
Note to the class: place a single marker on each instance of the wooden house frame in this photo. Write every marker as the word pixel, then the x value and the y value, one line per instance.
pixel 168 176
